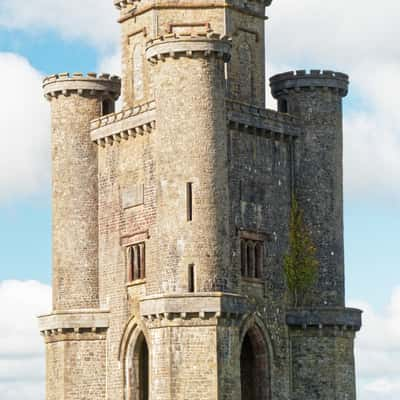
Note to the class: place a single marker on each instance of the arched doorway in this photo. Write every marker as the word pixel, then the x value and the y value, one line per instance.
pixel 254 371
pixel 139 373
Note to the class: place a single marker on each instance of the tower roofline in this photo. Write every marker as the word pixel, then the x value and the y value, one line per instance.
pixel 174 45
pixel 92 83
pixel 121 4
pixel 313 79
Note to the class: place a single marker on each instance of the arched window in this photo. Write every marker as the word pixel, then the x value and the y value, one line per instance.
pixel 243 258
pixel 249 259
pixel 136 258
pixel 258 260
pixel 254 371
pixel 246 73
pixel 138 75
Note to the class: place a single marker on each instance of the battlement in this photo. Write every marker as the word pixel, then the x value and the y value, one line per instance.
pixel 90 84
pixel 122 5
pixel 272 124
pixel 174 45
pixel 127 123
pixel 302 79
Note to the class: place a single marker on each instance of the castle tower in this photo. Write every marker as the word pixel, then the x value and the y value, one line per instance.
pixel 316 99
pixel 75 349
pixel 171 218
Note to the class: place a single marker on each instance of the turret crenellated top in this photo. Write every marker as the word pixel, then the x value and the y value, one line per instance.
pixel 90 84
pixel 173 45
pixel 313 79
pixel 122 4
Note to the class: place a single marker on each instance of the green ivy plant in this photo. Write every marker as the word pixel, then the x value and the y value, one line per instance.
pixel 300 263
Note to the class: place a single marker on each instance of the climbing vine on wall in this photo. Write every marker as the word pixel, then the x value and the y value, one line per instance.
pixel 300 263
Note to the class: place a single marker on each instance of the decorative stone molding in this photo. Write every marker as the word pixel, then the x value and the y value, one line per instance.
pixel 173 45
pixel 124 124
pixel 272 124
pixel 337 318
pixel 90 85
pixel 74 325
pixel 186 306
pixel 297 80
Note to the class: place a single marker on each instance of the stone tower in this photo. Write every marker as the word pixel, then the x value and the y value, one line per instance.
pixel 170 218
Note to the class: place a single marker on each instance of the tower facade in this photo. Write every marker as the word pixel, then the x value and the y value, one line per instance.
pixel 170 218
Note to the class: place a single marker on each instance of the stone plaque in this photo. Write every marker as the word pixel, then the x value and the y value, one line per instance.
pixel 133 196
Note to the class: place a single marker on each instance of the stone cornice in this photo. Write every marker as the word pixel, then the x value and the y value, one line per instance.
pixel 91 318
pixel 263 121
pixel 203 306
pixel 90 324
pixel 340 318
pixel 175 46
pixel 124 124
pixel 90 85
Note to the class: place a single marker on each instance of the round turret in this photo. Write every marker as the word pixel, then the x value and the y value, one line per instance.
pixel 75 101
pixel 296 80
pixel 89 85
pixel 190 148
pixel 316 99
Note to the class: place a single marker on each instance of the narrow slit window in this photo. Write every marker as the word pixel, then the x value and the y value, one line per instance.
pixel 191 279
pixel 189 201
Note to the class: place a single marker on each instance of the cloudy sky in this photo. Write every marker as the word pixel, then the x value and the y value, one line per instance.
pixel 359 37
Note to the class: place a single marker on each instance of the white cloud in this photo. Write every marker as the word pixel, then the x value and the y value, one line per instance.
pixel 21 347
pixel 24 129
pixel 357 37
pixel 93 21
pixel 378 351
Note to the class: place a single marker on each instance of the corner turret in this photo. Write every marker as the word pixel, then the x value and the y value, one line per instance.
pixel 76 100
pixel 316 98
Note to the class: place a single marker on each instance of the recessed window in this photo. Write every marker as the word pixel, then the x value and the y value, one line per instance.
pixel 251 258
pixel 136 258
pixel 189 201
pixel 107 107
pixel 283 106
pixel 191 279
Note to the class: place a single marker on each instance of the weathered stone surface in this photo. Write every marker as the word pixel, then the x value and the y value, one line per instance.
pixel 198 175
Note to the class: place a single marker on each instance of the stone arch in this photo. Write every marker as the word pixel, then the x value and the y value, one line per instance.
pixel 134 356
pixel 138 72
pixel 255 360
pixel 246 79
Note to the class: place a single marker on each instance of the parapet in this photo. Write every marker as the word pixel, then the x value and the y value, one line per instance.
pixel 91 84
pixel 175 46
pixel 348 318
pixel 302 79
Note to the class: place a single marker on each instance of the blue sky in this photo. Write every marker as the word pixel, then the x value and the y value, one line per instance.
pixel 83 36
